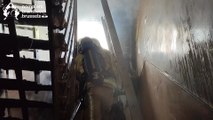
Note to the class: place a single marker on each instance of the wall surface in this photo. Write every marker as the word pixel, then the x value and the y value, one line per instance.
pixel 162 99
pixel 176 37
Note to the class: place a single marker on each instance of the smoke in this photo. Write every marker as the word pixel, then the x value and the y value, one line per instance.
pixel 124 13
pixel 89 10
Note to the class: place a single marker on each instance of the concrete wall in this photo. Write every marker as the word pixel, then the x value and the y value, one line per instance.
pixel 176 37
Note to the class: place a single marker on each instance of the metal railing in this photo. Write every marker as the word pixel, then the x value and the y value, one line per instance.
pixel 60 66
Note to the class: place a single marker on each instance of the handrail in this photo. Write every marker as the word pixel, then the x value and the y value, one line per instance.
pixel 132 100
pixel 71 35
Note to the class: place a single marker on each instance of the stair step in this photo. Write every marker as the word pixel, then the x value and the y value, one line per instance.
pixel 26 64
pixel 22 103
pixel 14 84
pixel 7 44
pixel 10 118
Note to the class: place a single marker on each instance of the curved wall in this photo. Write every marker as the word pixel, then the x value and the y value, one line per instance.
pixel 175 40
pixel 177 37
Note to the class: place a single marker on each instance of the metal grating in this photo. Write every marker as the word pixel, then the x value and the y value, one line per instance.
pixel 62 28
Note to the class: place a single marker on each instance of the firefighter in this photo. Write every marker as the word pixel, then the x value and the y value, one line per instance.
pixel 96 73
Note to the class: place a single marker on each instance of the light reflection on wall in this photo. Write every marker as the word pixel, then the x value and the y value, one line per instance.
pixel 93 29
pixel 174 40
pixel 201 35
